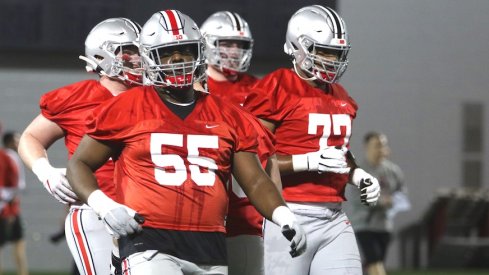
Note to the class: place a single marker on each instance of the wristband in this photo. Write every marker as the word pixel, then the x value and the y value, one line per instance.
pixel 40 168
pixel 300 163
pixel 100 203
pixel 283 216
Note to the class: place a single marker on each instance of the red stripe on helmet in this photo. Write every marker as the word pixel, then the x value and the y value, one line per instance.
pixel 173 22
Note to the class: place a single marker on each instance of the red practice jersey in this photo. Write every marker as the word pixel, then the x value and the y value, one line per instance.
pixel 173 171
pixel 9 178
pixel 69 108
pixel 309 120
pixel 243 218
pixel 235 91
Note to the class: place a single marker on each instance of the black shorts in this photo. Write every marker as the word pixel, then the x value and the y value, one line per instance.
pixel 10 230
pixel 373 245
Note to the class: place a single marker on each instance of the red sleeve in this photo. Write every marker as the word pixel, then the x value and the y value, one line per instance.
pixel 269 100
pixel 110 120
pixel 53 103
pixel 69 106
pixel 245 131
pixel 57 104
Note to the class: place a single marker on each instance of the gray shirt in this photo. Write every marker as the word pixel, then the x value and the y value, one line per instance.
pixel 378 218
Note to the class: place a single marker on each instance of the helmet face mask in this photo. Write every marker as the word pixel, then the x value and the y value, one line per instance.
pixel 232 55
pixel 172 50
pixel 229 44
pixel 175 64
pixel 127 63
pixel 105 46
pixel 324 62
pixel 317 41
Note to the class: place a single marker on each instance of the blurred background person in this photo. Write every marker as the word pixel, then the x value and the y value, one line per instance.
pixel 374 226
pixel 12 182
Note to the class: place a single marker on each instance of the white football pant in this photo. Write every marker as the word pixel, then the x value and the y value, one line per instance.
pixel 331 245
pixel 151 262
pixel 89 242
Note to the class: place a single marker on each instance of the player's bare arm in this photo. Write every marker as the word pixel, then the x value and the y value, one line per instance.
pixel 273 171
pixel 33 143
pixel 270 125
pixel 255 182
pixel 285 164
pixel 36 138
pixel 267 199
pixel 88 157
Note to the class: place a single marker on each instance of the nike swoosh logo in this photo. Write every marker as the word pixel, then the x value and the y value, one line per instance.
pixel 211 126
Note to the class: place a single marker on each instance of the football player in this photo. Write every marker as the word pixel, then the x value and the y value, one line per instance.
pixel 311 116
pixel 110 52
pixel 228 54
pixel 175 148
pixel 229 47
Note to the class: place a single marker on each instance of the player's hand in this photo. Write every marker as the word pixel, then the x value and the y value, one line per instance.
pixel 297 238
pixel 368 185
pixel 333 160
pixel 291 229
pixel 119 219
pixel 54 180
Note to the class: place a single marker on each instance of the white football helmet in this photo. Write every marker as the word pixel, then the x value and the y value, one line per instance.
pixel 164 32
pixel 104 50
pixel 227 26
pixel 315 29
